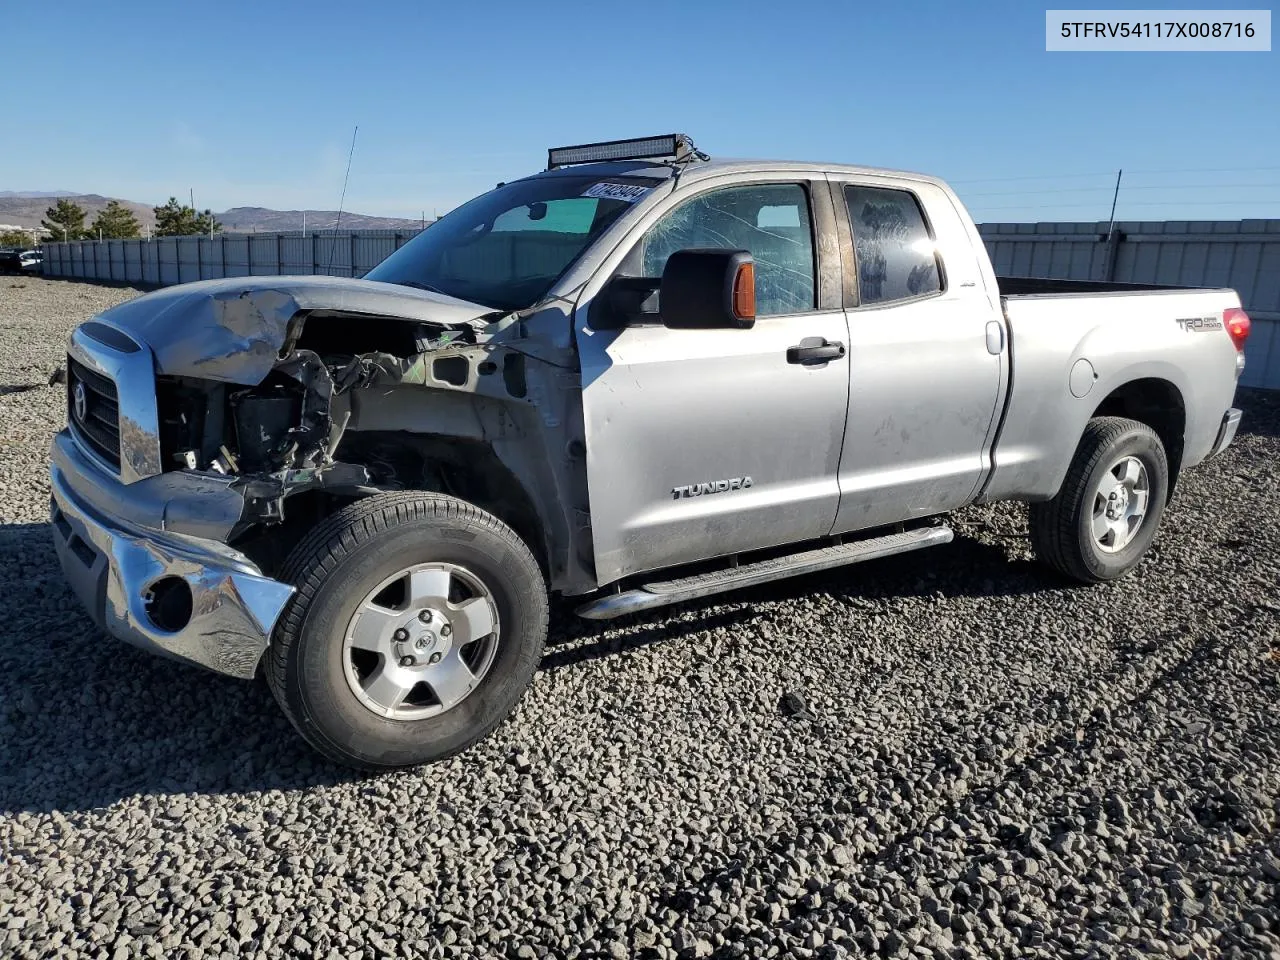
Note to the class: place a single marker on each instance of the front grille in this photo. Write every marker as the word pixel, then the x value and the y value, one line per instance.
pixel 97 424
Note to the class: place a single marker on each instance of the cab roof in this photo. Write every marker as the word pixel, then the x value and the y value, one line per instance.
pixel 700 169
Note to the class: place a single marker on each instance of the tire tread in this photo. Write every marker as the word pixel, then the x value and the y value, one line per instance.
pixel 1054 522
pixel 320 552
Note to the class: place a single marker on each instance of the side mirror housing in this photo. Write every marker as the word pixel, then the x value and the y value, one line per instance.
pixel 708 289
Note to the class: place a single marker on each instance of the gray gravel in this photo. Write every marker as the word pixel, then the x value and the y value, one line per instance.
pixel 946 755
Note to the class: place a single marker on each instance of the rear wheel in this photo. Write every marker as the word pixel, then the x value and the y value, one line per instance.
pixel 418 622
pixel 1104 518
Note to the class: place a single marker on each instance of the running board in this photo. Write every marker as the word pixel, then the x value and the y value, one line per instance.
pixel 752 574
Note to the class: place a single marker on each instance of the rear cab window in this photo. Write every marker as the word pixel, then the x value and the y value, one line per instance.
pixel 894 249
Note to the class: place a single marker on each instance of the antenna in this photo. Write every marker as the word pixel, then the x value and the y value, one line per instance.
pixel 333 242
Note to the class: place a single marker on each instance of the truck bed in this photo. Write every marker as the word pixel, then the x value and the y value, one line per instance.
pixel 1073 342
pixel 1044 286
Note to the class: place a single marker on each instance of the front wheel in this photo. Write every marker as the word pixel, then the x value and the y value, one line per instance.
pixel 418 622
pixel 1104 518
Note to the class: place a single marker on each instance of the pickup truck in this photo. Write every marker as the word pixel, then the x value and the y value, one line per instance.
pixel 638 377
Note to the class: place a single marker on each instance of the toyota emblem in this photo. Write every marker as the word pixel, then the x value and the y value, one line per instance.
pixel 80 401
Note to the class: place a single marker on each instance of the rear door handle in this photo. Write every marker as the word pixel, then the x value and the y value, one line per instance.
pixel 812 351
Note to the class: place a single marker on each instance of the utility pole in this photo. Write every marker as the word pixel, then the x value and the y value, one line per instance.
pixel 1114 197
pixel 1112 247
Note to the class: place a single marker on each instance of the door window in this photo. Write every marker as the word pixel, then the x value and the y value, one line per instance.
pixel 770 220
pixel 897 258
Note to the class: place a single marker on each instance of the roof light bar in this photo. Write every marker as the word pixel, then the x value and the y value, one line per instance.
pixel 674 145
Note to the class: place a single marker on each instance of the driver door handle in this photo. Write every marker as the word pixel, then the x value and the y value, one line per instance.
pixel 814 351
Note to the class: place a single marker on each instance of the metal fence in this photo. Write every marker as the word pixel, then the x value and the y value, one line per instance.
pixel 169 260
pixel 1243 254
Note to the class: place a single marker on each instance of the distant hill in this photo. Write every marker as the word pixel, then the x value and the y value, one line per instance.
pixel 26 208
pixel 264 220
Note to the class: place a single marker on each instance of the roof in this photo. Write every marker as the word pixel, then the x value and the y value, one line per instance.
pixel 699 169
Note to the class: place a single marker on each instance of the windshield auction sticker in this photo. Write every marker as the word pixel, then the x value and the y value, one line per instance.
pixel 1119 31
pixel 627 193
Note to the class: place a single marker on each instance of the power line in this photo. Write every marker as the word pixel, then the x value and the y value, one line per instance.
pixel 1127 189
pixel 1108 173
pixel 1124 205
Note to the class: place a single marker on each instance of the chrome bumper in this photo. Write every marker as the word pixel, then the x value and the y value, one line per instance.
pixel 180 596
pixel 1227 431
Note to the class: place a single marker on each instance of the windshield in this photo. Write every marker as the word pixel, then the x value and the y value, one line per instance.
pixel 506 248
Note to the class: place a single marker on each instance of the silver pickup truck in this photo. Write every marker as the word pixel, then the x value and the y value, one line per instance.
pixel 638 377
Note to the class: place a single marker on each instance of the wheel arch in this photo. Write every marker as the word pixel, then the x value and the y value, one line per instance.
pixel 1157 403
pixel 468 469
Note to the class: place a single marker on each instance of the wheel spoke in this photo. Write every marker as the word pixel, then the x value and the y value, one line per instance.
pixel 429 586
pixel 472 619
pixel 451 679
pixel 1138 503
pixel 1120 533
pixel 372 626
pixel 389 685
pixel 1131 472
pixel 1101 525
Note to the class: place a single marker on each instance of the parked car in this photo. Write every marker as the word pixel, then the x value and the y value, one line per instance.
pixel 21 261
pixel 636 378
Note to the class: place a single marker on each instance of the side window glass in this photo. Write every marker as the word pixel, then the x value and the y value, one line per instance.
pixel 770 220
pixel 897 258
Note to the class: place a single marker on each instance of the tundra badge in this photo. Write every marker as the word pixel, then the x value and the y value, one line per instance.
pixel 713 486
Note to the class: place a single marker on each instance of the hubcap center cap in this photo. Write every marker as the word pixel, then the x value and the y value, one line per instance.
pixel 1117 503
pixel 427 636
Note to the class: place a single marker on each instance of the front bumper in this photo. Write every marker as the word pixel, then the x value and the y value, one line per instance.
pixel 1226 431
pixel 170 593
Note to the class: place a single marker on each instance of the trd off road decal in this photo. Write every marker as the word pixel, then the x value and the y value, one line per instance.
pixel 1199 324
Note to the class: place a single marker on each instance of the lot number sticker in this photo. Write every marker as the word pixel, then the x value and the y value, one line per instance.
pixel 625 192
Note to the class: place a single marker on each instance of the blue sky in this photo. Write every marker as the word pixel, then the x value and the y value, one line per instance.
pixel 253 103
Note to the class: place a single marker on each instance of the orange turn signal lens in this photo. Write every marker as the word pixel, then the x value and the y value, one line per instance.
pixel 744 292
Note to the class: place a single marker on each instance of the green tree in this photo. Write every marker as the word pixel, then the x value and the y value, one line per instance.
pixel 65 221
pixel 15 238
pixel 179 220
pixel 115 221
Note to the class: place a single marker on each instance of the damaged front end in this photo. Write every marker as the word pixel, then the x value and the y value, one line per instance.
pixel 274 430
pixel 290 396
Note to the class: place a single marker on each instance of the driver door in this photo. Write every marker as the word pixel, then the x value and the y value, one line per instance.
pixel 711 442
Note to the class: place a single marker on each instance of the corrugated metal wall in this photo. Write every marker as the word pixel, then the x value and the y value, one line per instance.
pixel 1243 254
pixel 169 260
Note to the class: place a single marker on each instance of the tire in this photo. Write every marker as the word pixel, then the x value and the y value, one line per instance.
pixel 1064 529
pixel 314 668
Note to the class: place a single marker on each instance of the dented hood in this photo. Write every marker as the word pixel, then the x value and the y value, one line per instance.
pixel 232 330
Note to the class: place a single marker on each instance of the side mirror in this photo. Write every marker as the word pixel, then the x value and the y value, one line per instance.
pixel 704 289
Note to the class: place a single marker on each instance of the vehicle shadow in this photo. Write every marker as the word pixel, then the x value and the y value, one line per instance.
pixel 965 567
pixel 86 721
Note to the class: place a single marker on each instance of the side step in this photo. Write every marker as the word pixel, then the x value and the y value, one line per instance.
pixel 810 561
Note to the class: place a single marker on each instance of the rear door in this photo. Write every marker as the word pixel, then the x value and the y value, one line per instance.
pixel 927 355
pixel 705 443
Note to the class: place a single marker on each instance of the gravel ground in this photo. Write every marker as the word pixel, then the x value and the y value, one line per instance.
pixel 946 755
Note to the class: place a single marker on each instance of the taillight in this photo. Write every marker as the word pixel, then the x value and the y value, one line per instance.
pixel 1238 325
